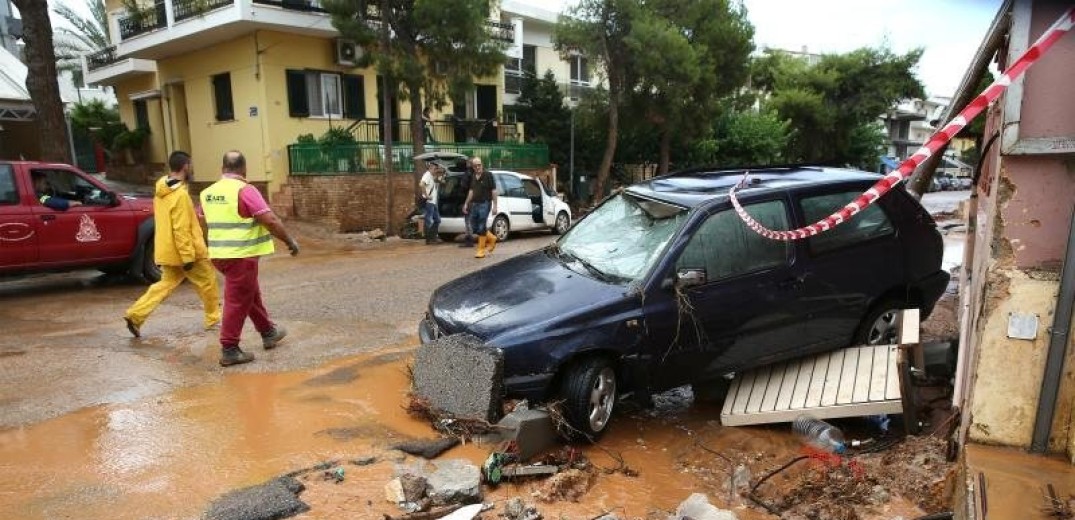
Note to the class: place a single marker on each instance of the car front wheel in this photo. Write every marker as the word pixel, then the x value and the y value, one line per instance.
pixel 881 326
pixel 562 223
pixel 589 396
pixel 501 228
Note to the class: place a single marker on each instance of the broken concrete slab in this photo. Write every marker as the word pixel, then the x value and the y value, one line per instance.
pixel 457 374
pixel 427 448
pixel 455 481
pixel 275 499
pixel 519 470
pixel 532 430
pixel 697 507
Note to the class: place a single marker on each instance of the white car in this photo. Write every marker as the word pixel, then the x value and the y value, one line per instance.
pixel 524 203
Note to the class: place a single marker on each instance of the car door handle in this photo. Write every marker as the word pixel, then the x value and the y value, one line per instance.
pixel 47 218
pixel 792 283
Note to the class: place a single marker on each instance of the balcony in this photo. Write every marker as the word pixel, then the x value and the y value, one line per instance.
pixel 575 89
pixel 103 67
pixel 501 31
pixel 143 21
pixel 184 9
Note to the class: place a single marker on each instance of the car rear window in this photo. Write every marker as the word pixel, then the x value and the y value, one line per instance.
pixel 8 193
pixel 869 223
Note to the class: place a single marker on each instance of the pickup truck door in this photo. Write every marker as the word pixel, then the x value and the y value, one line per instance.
pixel 18 237
pixel 95 231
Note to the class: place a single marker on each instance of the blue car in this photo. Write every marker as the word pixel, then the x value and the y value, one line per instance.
pixel 663 285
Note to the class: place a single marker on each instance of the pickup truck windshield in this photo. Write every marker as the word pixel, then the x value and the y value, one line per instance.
pixel 623 237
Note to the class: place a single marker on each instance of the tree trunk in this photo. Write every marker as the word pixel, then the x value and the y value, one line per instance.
pixel 918 184
pixel 418 139
pixel 613 138
pixel 666 150
pixel 41 81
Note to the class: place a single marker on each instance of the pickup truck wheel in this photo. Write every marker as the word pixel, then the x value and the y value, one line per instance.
pixel 588 391
pixel 150 271
pixel 562 223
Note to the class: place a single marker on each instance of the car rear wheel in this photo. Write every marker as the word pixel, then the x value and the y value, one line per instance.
pixel 562 223
pixel 501 228
pixel 881 326
pixel 588 391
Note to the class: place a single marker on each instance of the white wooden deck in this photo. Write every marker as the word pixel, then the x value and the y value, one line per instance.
pixel 851 382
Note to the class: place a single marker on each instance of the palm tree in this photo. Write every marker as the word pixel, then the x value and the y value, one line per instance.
pixel 87 35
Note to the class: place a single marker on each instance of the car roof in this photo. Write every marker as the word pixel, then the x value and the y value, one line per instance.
pixel 508 172
pixel 34 163
pixel 697 186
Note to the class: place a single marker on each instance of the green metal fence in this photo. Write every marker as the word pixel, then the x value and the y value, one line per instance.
pixel 315 159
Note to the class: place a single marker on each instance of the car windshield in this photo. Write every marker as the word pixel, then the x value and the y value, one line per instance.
pixel 622 238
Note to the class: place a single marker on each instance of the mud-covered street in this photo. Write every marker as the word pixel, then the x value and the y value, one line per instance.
pixel 97 424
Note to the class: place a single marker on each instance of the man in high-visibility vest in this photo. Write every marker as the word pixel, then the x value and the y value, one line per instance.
pixel 241 226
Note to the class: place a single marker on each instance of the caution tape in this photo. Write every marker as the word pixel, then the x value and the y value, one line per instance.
pixel 936 141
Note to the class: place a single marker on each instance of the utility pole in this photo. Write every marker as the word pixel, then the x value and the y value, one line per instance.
pixel 386 122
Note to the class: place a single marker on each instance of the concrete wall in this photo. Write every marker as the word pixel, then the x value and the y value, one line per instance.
pixel 351 202
pixel 1025 205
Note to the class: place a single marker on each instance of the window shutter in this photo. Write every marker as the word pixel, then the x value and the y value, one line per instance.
pixel 354 97
pixel 298 103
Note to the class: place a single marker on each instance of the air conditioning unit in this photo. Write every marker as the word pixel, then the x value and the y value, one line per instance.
pixel 347 52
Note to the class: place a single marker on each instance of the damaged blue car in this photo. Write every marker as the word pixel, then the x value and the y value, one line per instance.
pixel 663 285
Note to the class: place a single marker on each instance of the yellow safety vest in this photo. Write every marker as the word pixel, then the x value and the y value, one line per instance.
pixel 230 235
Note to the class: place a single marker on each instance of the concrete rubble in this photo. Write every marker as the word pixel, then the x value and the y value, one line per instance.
pixel 532 431
pixel 697 507
pixel 427 448
pixel 275 499
pixel 440 366
pixel 455 481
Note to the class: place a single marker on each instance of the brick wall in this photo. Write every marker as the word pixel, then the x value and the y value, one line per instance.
pixel 350 203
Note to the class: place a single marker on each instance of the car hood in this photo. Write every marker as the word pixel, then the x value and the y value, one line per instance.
pixel 523 292
pixel 139 202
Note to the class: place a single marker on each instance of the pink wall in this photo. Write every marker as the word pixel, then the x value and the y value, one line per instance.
pixel 1037 216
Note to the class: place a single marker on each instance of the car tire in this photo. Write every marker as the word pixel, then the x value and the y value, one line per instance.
pixel 881 324
pixel 501 228
pixel 588 391
pixel 562 223
pixel 146 267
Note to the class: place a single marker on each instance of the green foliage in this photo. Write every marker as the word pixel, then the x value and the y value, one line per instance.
pixel 743 139
pixel 84 36
pixel 976 128
pixel 541 106
pixel 832 106
pixel 334 136
pixel 306 139
pixel 97 120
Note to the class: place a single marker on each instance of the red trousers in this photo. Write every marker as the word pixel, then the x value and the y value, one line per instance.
pixel 242 299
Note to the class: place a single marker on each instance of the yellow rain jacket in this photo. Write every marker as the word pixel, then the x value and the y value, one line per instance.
pixel 178 237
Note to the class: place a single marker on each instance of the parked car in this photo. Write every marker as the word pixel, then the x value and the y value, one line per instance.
pixel 663 285
pixel 524 203
pixel 108 231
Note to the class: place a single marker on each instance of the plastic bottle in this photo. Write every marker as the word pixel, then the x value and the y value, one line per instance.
pixel 819 433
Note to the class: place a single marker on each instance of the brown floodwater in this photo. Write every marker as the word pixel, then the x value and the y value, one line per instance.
pixel 1015 481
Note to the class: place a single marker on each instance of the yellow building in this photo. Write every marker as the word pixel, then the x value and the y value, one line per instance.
pixel 207 76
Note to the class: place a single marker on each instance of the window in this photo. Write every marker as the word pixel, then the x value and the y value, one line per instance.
pixel 725 247
pixel 8 193
pixel 580 70
pixel 869 223
pixel 511 186
pixel 225 109
pixel 71 186
pixel 516 69
pixel 325 94
pixel 141 114
pixel 531 188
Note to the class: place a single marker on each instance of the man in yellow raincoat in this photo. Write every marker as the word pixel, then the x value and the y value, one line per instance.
pixel 178 248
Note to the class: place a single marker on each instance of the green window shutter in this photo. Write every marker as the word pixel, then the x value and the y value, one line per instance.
pixel 354 97
pixel 298 103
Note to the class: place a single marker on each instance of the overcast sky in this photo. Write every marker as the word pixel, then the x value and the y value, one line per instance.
pixel 950 31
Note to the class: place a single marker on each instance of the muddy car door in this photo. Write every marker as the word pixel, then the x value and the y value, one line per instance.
pixel 736 296
pixel 18 239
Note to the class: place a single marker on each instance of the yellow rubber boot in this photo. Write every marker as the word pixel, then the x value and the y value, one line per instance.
pixel 480 253
pixel 490 242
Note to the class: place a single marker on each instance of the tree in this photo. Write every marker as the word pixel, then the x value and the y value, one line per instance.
pixel 87 35
pixel 424 36
pixel 687 58
pixel 41 80
pixel 743 138
pixel 833 105
pixel 599 29
pixel 541 106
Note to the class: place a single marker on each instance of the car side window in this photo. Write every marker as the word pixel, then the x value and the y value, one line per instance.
pixel 8 193
pixel 531 189
pixel 725 247
pixel 513 186
pixel 869 223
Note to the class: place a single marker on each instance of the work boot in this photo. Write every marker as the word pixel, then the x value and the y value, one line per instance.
pixel 490 242
pixel 135 329
pixel 234 356
pixel 274 336
pixel 480 253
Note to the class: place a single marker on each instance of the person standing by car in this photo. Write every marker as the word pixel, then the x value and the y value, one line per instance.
pixel 433 177
pixel 47 196
pixel 464 185
pixel 241 226
pixel 178 248
pixel 482 195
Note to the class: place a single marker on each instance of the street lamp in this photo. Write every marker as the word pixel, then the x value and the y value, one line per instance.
pixel 572 104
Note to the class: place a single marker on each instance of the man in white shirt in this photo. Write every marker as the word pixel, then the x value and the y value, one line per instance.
pixel 429 186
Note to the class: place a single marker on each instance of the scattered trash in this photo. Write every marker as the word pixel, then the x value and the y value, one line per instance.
pixel 465 513
pixel 516 509
pixel 697 507
pixel 568 485
pixel 336 474
pixel 819 434
pixel 881 421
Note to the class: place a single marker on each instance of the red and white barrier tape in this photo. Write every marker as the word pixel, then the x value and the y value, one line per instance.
pixel 936 141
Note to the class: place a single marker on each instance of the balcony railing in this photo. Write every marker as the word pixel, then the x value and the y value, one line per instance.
pixel 147 19
pixel 442 131
pixel 190 8
pixel 357 158
pixel 504 32
pixel 101 58
pixel 312 6
pixel 575 89
pixel 514 81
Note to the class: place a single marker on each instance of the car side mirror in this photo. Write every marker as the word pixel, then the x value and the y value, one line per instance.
pixel 687 278
pixel 112 198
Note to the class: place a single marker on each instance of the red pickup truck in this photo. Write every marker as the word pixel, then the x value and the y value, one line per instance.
pixel 105 230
